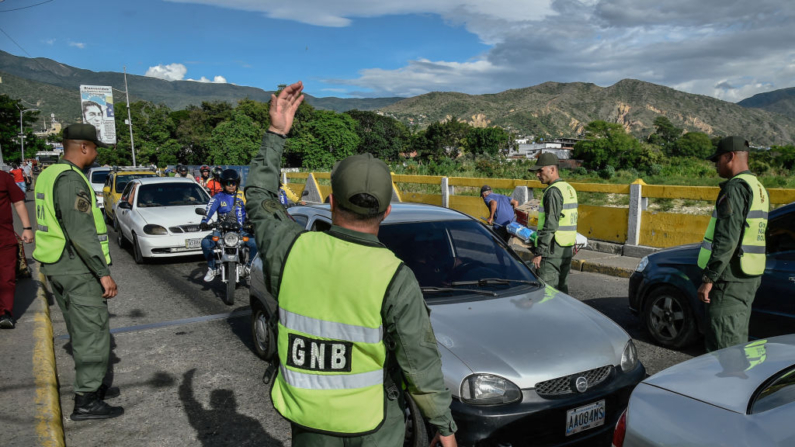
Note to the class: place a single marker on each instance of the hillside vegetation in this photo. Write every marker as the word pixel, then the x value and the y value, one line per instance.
pixel 563 109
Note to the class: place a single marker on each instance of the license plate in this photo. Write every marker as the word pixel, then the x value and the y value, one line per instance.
pixel 585 418
pixel 193 243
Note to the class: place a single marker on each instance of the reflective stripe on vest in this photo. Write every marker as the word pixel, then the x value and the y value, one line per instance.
pixel 50 238
pixel 331 336
pixel 752 242
pixel 566 234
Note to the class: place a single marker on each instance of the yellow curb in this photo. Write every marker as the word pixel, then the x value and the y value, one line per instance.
pixel 49 422
pixel 621 272
pixel 576 264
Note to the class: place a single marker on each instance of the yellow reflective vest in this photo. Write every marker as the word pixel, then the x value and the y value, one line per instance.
pixel 330 335
pixel 50 237
pixel 566 234
pixel 752 242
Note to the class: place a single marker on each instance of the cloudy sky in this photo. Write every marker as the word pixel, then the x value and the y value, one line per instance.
pixel 728 49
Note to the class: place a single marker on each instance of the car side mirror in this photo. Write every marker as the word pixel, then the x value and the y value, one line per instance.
pixel 200 211
pixel 125 205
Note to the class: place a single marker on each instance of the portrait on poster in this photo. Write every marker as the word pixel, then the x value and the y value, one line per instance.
pixel 96 103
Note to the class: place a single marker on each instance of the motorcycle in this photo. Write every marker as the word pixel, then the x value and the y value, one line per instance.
pixel 230 253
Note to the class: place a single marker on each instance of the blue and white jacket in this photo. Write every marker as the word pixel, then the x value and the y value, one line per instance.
pixel 224 204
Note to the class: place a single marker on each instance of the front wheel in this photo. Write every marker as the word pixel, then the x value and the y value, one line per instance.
pixel 416 430
pixel 259 330
pixel 669 318
pixel 137 253
pixel 231 282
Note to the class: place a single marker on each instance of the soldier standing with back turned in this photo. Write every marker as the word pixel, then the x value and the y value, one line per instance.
pixel 72 247
pixel 733 251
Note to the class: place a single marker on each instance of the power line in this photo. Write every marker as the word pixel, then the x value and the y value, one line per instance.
pixel 15 43
pixel 25 7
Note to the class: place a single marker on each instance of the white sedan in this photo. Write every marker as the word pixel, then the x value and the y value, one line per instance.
pixel 157 216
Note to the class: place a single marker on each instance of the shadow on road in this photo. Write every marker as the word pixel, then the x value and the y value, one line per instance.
pixel 221 425
pixel 617 309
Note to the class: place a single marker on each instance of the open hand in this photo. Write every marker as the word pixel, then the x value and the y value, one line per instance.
pixel 282 109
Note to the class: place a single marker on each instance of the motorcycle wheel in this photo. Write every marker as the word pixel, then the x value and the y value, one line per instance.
pixel 231 282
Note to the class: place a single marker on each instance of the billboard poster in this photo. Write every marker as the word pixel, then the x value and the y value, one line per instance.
pixel 96 102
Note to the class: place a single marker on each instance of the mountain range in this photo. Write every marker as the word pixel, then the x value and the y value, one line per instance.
pixel 550 109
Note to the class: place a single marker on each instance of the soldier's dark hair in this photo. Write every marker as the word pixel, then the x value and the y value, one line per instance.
pixel 365 201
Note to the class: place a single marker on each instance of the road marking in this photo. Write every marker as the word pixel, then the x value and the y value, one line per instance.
pixel 143 327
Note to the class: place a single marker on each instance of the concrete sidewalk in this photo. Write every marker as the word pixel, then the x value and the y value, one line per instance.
pixel 610 261
pixel 30 413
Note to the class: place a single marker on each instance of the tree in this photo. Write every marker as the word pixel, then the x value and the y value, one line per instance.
pixel 442 140
pixel 666 133
pixel 257 111
pixel 382 136
pixel 235 142
pixel 693 144
pixel 785 156
pixel 153 130
pixel 607 144
pixel 193 134
pixel 325 138
pixel 9 130
pixel 489 140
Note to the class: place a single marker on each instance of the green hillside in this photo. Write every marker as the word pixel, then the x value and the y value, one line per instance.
pixel 778 101
pixel 175 94
pixel 562 110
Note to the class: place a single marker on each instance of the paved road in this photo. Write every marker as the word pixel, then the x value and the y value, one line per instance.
pixel 198 382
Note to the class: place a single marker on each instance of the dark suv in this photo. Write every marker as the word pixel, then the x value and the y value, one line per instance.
pixel 663 288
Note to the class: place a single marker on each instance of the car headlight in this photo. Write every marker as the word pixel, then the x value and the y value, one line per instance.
pixel 155 230
pixel 231 239
pixel 487 389
pixel 629 359
pixel 642 264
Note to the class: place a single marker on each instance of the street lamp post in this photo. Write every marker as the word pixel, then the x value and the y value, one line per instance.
pixel 22 133
pixel 129 117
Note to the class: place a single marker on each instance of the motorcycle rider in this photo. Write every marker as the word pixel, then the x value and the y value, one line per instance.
pixel 182 171
pixel 230 207
pixel 204 176
pixel 214 185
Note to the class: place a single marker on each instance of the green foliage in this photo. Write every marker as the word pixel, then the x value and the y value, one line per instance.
pixel 785 157
pixel 607 172
pixel 488 140
pixel 665 134
pixel 441 140
pixel 235 141
pixel 9 130
pixel 608 144
pixel 326 138
pixel 693 144
pixel 379 135
pixel 580 171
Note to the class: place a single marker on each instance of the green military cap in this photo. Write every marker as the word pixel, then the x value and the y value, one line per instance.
pixel 85 132
pixel 730 144
pixel 362 174
pixel 545 159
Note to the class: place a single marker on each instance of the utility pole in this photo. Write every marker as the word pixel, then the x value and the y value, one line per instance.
pixel 22 133
pixel 129 117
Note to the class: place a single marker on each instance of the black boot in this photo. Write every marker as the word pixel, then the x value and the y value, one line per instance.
pixel 89 406
pixel 106 392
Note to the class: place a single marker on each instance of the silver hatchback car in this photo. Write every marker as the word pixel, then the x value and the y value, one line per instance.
pixel 739 396
pixel 526 364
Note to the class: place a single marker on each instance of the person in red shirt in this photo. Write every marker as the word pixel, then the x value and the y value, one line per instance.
pixel 10 194
pixel 19 177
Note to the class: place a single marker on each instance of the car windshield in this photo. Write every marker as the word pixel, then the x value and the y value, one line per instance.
pixel 171 194
pixel 99 176
pixel 122 180
pixel 447 252
pixel 780 392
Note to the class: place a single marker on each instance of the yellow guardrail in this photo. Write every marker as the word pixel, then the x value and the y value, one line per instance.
pixel 657 229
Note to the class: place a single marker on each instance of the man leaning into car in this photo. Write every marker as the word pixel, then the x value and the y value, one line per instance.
pixel 733 251
pixel 354 332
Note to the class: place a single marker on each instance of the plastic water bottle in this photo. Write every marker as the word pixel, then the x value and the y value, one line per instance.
pixel 522 232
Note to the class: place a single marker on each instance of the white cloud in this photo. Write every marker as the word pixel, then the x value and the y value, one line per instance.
pixel 729 50
pixel 49 41
pixel 75 44
pixel 170 72
pixel 215 80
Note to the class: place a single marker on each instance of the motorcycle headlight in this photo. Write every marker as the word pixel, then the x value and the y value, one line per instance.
pixel 629 359
pixel 155 230
pixel 231 239
pixel 642 264
pixel 487 389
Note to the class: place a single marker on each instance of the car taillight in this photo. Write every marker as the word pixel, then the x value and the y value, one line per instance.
pixel 621 430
